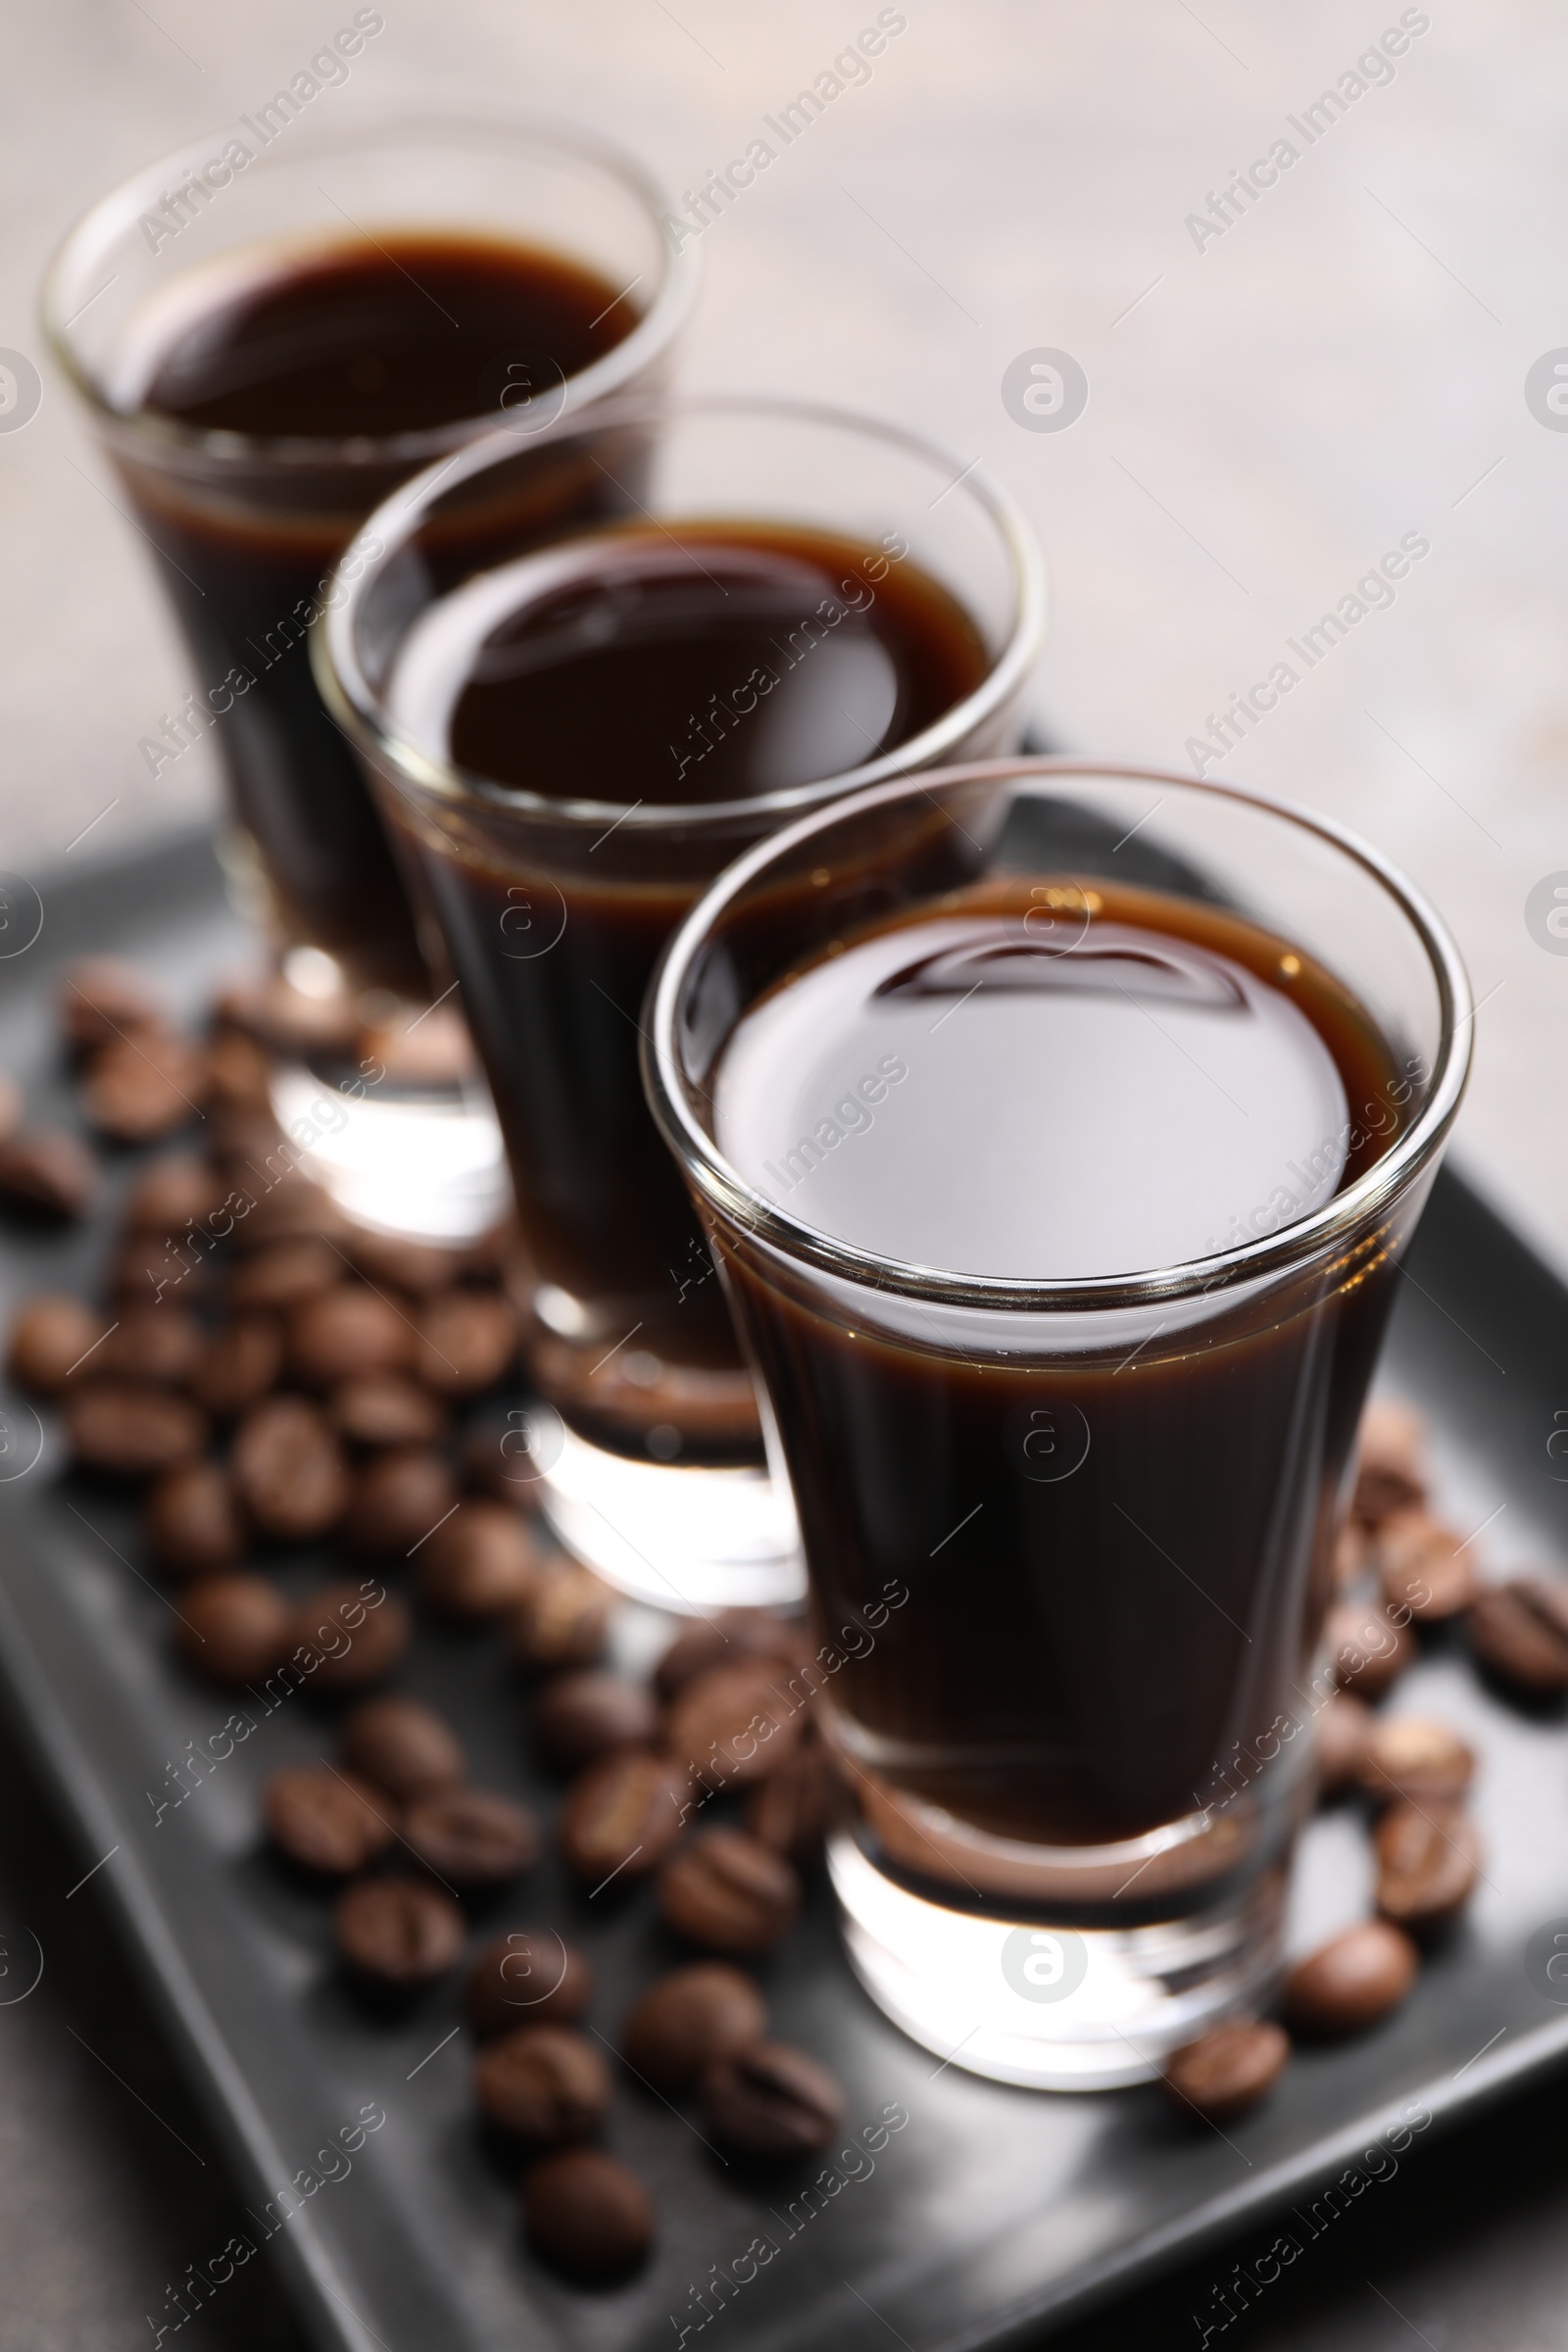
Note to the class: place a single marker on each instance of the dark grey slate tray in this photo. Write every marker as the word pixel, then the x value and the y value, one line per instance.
pixel 988 2214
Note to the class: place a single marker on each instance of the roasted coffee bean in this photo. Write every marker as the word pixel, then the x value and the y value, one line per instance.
pixel 770 2100
pixel 736 1724
pixel 1406 1756
pixel 358 1631
pixel 542 2082
pixel 497 1458
pixel 530 1976
pixel 623 1814
pixel 128 1431
pixel 467 1339
pixel 163 1344
pixel 159 1270
pixel 398 1500
pixel 585 1714
pixel 398 1932
pixel 1389 1457
pixel 52 1336
pixel 433 1049
pixel 325 1820
pixel 418 1267
pixel 1429 1859
pixel 587 2215
pixel 173 1195
pixel 289 1470
pixel 283 1274
pixel 472 1837
pixel 564 1621
pixel 1367 1650
pixel 484 1562
pixel 1352 1981
pixel 46 1173
pixel 238 1366
pixel 239 1075
pixel 1230 2068
pixel 725 1639
pixel 192 1520
pixel 137 1088
pixel 1344 1728
pixel 382 1409
pixel 790 1810
pixel 728 1893
pixel 345 1332
pixel 1425 1567
pixel 286 1020
pixel 690 2020
pixel 403 1745
pixel 285 1207
pixel 1520 1630
pixel 236 1628
pixel 103 996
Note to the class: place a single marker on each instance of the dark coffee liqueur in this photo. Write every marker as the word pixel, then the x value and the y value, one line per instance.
pixel 692 665
pixel 1116 1571
pixel 353 346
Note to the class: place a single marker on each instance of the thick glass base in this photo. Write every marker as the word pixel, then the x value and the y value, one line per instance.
pixel 688 1538
pixel 1054 2008
pixel 424 1163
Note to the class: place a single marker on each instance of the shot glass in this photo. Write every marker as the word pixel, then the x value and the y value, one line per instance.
pixel 648 1448
pixel 247 525
pixel 1068 1535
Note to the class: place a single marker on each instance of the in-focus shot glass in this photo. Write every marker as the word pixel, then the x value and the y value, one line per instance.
pixel 272 331
pixel 1059 1129
pixel 778 603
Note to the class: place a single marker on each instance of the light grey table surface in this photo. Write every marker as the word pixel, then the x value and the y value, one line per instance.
pixel 1268 410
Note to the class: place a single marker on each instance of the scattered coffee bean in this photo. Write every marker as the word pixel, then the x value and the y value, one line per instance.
pixel 192 1520
pixel 497 1460
pixel 151 1269
pixel 542 2082
pixel 137 1088
pixel 433 1049
pixel 1367 1650
pixel 239 1075
pixel 105 997
pixel 126 1431
pixel 790 1810
pixel 173 1195
pixel 288 1209
pixel 728 1893
pixel 1429 1859
pixel 398 1932
pixel 1352 1981
pixel 52 1336
pixel 1389 1456
pixel 531 1976
pixel 239 1367
pixel 724 1640
pixel 236 1628
pixel 770 2100
pixel 345 1332
pixel 1520 1630
pixel 284 1273
pixel 398 1499
pixel 164 1343
pixel 1405 1756
pixel 1230 2068
pixel 622 1815
pixel 564 1621
pixel 286 1020
pixel 467 1339
pixel 472 1838
pixel 736 1724
pixel 587 2215
pixel 289 1470
pixel 383 1410
pixel 403 1745
pixel 1344 1728
pixel 46 1173
pixel 358 1631
pixel 689 2019
pixel 579 1716
pixel 484 1562
pixel 1425 1566
pixel 325 1820
pixel 418 1267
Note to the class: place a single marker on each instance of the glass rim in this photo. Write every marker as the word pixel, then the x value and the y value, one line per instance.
pixel 359 709
pixel 108 216
pixel 725 1189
